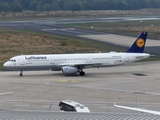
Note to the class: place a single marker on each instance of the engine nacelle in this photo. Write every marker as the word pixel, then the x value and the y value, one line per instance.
pixel 67 70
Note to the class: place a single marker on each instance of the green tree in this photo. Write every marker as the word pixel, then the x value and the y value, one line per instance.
pixel 75 5
pixel 123 5
pixel 55 6
pixel 67 5
pixel 32 5
pixel 46 7
pixel 25 4
pixel 39 7
pixel 4 7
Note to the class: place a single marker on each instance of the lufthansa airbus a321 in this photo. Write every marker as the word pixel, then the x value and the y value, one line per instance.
pixel 71 64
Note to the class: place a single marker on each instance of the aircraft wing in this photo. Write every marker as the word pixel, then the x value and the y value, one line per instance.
pixel 138 109
pixel 80 64
pixel 84 64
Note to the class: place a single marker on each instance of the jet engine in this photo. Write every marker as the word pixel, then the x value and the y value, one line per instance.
pixel 67 70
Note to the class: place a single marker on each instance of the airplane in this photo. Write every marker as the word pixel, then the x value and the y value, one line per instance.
pixel 71 64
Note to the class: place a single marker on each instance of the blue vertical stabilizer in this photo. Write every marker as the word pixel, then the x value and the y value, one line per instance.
pixel 139 44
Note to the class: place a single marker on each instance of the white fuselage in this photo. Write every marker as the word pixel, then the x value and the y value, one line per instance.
pixel 55 62
pixel 75 63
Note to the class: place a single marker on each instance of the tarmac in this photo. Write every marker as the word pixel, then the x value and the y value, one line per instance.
pixel 134 85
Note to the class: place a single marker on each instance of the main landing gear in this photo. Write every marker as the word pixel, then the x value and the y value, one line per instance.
pixel 81 73
pixel 21 74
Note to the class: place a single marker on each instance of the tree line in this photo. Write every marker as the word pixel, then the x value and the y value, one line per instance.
pixel 75 5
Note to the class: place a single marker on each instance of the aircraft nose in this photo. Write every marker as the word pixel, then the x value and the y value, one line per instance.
pixel 5 65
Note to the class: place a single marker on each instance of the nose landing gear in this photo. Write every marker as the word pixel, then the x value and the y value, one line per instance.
pixel 21 74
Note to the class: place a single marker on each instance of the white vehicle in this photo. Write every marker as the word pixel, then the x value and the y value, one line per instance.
pixel 71 64
pixel 72 106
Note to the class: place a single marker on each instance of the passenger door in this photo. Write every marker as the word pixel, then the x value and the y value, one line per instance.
pixel 22 61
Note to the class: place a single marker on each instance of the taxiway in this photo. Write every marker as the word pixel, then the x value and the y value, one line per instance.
pixel 133 85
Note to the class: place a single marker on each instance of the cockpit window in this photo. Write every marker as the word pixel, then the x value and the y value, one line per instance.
pixel 12 60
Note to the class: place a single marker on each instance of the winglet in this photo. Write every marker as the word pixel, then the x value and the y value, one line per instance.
pixel 139 44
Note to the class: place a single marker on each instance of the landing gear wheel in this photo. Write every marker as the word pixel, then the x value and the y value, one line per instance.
pixel 21 74
pixel 81 73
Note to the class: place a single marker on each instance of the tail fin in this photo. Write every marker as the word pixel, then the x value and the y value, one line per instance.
pixel 139 44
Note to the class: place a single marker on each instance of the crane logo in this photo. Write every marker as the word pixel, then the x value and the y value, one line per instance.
pixel 140 42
